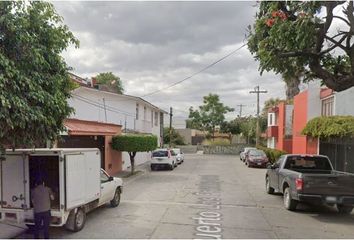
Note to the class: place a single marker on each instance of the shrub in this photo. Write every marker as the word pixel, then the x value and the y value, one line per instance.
pixel 133 144
pixel 272 154
pixel 331 126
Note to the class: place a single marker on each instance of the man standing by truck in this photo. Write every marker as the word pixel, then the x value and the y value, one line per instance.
pixel 41 196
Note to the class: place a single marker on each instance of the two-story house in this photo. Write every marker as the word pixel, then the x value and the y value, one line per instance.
pixel 134 114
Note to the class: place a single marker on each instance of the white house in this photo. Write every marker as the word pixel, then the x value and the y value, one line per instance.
pixel 133 113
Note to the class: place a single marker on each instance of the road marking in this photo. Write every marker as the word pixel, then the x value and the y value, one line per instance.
pixel 209 201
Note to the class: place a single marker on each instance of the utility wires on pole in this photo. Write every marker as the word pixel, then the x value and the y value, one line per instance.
pixel 257 91
pixel 170 143
pixel 241 106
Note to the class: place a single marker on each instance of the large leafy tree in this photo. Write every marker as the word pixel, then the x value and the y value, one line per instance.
pixel 210 114
pixel 34 81
pixel 110 82
pixel 309 38
pixel 133 144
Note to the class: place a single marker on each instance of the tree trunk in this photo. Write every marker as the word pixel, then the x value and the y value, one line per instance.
pixel 132 161
pixel 292 85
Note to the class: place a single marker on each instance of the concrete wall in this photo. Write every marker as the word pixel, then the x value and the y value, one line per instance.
pixel 227 149
pixel 314 103
pixel 186 134
pixel 113 158
pixel 344 102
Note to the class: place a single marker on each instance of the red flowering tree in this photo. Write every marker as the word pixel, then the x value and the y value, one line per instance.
pixel 292 37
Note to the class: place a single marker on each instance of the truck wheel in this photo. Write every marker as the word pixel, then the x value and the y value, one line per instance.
pixel 344 209
pixel 269 189
pixel 289 203
pixel 76 221
pixel 116 199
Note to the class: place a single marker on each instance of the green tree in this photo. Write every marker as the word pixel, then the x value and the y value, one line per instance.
pixel 133 144
pixel 248 127
pixel 271 102
pixel 110 82
pixel 176 138
pixel 209 115
pixel 233 126
pixel 34 81
pixel 293 38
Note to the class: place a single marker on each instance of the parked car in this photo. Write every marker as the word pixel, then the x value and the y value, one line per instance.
pixel 256 158
pixel 79 184
pixel 243 153
pixel 310 178
pixel 162 158
pixel 178 154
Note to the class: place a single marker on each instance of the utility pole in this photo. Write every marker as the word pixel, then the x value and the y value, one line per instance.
pixel 257 91
pixel 170 144
pixel 241 105
pixel 125 123
pixel 105 112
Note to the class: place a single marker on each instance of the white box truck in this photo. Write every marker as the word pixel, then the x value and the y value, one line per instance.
pixel 74 175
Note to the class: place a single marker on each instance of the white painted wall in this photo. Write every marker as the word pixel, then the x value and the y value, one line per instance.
pixel 120 109
pixel 314 100
pixel 343 102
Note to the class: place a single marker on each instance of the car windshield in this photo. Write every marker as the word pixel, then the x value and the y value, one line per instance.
pixel 308 162
pixel 160 153
pixel 257 153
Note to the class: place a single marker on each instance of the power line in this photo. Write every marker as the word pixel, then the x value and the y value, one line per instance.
pixel 196 73
pixel 97 104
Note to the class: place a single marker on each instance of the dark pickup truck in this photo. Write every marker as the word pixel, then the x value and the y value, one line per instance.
pixel 310 178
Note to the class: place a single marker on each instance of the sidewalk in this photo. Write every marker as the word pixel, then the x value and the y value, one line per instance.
pixel 11 230
pixel 139 170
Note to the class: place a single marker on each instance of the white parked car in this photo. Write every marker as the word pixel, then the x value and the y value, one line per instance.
pixel 178 154
pixel 162 158
pixel 243 153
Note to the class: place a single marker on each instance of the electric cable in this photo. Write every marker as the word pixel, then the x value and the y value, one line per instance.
pixel 196 73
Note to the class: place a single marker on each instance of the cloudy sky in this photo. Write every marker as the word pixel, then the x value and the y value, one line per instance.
pixel 151 45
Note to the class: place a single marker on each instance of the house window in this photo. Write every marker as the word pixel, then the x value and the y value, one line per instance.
pixel 327 106
pixel 156 118
pixel 137 111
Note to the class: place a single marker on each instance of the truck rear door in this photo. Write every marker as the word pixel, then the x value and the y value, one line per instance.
pixel 14 182
pixel 336 183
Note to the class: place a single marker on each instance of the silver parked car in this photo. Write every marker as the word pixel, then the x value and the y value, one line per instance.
pixel 178 154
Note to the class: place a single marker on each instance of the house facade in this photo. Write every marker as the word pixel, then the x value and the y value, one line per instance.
pixel 134 114
pixel 279 131
pixel 313 102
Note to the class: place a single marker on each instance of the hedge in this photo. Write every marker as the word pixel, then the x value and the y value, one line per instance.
pixel 272 154
pixel 331 126
pixel 134 143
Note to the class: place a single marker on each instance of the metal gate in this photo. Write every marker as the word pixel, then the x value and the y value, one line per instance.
pixel 340 151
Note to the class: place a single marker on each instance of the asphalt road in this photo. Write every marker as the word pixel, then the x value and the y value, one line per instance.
pixel 208 196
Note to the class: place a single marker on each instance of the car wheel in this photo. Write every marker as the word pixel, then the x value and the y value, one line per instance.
pixel 343 209
pixel 152 167
pixel 77 221
pixel 269 189
pixel 289 203
pixel 171 167
pixel 116 199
